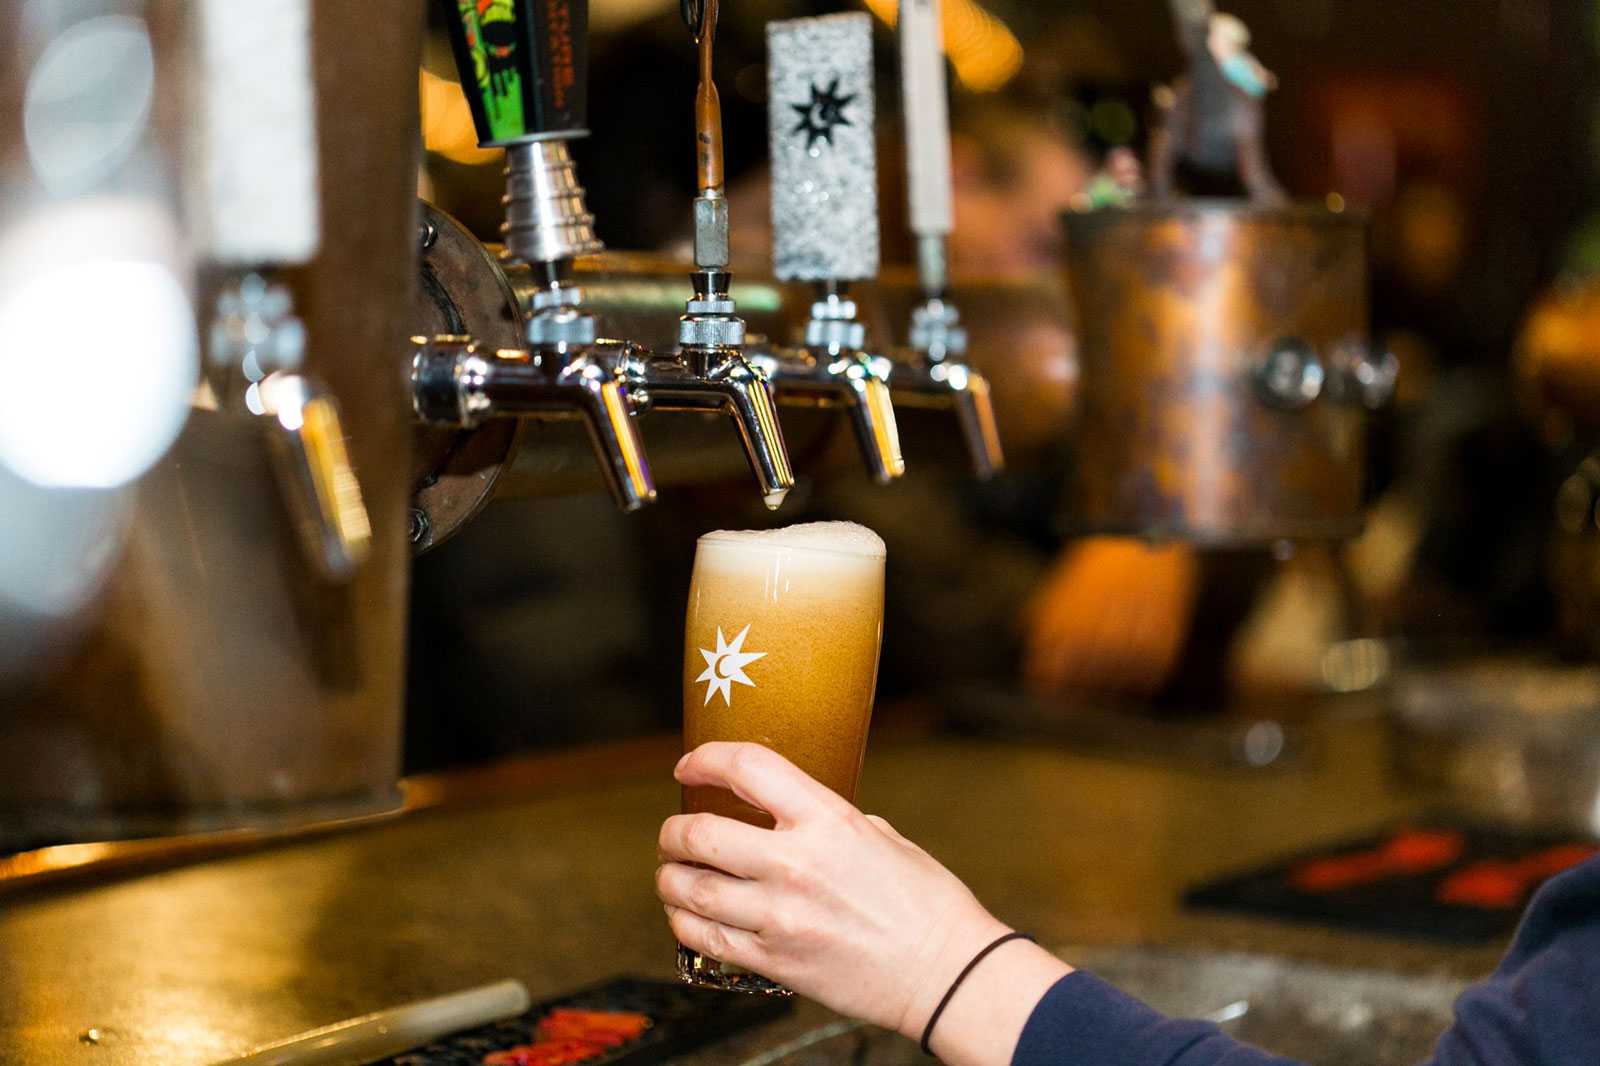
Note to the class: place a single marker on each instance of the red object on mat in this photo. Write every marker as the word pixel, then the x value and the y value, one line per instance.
pixel 1410 851
pixel 1504 884
pixel 567 1036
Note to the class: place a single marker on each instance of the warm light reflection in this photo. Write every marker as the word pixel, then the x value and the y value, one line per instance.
pixel 447 123
pixel 609 15
pixel 982 49
pixel 52 859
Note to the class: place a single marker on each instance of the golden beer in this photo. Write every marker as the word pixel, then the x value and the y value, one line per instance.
pixel 781 648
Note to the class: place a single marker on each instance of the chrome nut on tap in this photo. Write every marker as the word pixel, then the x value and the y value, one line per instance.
pixel 833 325
pixel 936 330
pixel 559 319
pixel 710 320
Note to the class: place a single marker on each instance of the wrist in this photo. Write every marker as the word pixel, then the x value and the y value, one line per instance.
pixel 960 942
pixel 984 1020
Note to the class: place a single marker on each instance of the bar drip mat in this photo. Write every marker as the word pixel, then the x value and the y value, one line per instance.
pixel 627 1021
pixel 1439 879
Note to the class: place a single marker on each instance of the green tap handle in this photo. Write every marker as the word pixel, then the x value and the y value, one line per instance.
pixel 524 65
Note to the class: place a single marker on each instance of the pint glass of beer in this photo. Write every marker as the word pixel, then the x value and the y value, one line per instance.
pixel 781 648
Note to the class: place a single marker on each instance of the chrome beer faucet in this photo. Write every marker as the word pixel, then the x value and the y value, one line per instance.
pixel 256 212
pixel 936 374
pixel 711 370
pixel 524 71
pixel 825 222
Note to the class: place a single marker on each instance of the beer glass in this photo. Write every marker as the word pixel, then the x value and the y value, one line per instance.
pixel 780 648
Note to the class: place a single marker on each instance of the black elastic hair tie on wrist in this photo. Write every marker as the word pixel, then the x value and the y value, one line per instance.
pixel 927 1033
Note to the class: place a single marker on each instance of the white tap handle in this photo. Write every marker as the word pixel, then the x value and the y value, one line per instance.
pixel 824 152
pixel 925 101
pixel 254 179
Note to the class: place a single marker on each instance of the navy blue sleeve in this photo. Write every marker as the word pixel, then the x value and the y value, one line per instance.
pixel 1081 1019
pixel 1542 1004
pixel 1541 1007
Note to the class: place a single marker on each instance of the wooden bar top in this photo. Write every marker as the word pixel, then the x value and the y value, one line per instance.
pixel 500 877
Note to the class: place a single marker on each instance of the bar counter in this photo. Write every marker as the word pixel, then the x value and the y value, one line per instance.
pixel 543 871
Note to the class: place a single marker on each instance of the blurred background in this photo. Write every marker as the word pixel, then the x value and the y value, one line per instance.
pixel 156 589
pixel 1290 319
pixel 1468 132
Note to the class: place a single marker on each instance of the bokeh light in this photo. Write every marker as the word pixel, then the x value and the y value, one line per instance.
pixel 982 49
pixel 98 359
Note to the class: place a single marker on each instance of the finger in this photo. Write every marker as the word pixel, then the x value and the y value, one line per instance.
pixel 760 777
pixel 722 942
pixel 728 844
pixel 711 894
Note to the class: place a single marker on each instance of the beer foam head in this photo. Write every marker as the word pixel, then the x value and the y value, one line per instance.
pixel 844 538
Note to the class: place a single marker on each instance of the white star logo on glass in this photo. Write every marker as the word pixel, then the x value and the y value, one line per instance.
pixel 726 665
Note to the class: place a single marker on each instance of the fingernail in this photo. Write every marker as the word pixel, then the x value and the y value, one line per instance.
pixel 681 761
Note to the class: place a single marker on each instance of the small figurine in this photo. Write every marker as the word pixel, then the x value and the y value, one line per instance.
pixel 1228 41
pixel 1119 182
pixel 1214 114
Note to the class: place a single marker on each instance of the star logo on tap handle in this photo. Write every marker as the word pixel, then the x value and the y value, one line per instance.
pixel 823 115
pixel 726 665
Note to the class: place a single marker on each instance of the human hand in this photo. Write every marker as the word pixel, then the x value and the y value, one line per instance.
pixel 833 903
pixel 1111 616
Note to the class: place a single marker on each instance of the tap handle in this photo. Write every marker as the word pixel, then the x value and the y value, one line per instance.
pixel 617 446
pixel 524 65
pixel 975 411
pixel 314 473
pixel 824 153
pixel 925 107
pixel 251 131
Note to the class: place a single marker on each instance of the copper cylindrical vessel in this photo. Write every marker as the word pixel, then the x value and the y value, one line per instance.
pixel 1225 370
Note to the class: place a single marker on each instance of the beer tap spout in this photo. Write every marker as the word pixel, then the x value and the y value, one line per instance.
pixel 835 370
pixel 456 382
pixel 937 375
pixel 711 372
